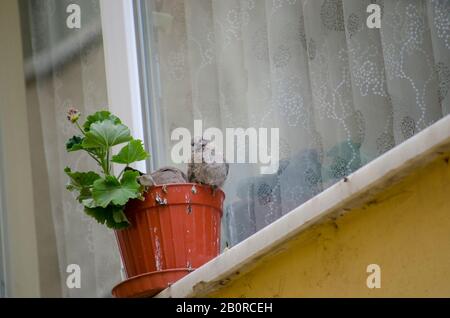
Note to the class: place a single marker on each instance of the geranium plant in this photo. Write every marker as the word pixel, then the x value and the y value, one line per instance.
pixel 102 193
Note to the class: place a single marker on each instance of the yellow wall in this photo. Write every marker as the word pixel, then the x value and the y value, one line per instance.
pixel 406 231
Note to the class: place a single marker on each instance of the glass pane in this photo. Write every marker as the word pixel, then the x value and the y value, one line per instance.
pixel 340 93
pixel 64 67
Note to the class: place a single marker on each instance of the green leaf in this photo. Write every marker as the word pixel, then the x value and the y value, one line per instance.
pixel 112 216
pixel 85 193
pixel 81 182
pixel 109 190
pixel 89 203
pixel 81 179
pixel 119 216
pixel 106 134
pixel 74 144
pixel 99 117
pixel 130 153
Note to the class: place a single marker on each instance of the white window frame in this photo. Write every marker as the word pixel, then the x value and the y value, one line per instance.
pixel 154 123
pixel 121 66
pixel 122 29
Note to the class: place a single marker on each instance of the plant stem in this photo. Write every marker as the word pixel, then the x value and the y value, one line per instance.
pixel 81 129
pixel 107 162
pixel 89 152
pixel 121 173
pixel 93 157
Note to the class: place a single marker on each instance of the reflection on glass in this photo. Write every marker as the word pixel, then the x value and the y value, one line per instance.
pixel 63 68
pixel 340 93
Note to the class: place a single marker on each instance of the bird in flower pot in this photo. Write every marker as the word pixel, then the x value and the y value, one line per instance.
pixel 207 165
pixel 203 168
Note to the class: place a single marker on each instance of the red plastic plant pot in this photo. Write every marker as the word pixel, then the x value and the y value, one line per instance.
pixel 175 230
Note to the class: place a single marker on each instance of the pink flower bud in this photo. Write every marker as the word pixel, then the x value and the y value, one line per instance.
pixel 73 115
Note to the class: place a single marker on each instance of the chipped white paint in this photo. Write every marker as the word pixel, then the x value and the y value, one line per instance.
pixel 160 200
pixel 358 188
pixel 158 254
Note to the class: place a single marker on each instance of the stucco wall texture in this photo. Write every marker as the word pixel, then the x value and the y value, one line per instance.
pixel 405 230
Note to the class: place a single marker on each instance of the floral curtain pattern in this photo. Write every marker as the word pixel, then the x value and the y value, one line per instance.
pixel 75 78
pixel 340 93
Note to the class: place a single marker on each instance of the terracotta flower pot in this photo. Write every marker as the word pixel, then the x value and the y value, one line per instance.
pixel 173 231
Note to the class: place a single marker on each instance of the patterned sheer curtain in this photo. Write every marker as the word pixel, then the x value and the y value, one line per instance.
pixel 340 93
pixel 65 67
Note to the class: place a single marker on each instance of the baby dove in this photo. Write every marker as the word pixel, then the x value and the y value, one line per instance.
pixel 204 167
pixel 164 175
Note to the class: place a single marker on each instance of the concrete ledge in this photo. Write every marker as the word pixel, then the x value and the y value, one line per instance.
pixel 355 190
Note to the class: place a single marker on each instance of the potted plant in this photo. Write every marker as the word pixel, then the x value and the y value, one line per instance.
pixel 163 231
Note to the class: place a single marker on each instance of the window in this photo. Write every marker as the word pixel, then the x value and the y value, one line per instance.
pixel 340 93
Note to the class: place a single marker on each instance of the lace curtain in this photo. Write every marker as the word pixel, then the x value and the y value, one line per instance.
pixel 340 93
pixel 65 67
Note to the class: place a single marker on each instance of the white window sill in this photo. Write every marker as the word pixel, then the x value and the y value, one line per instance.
pixel 355 190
